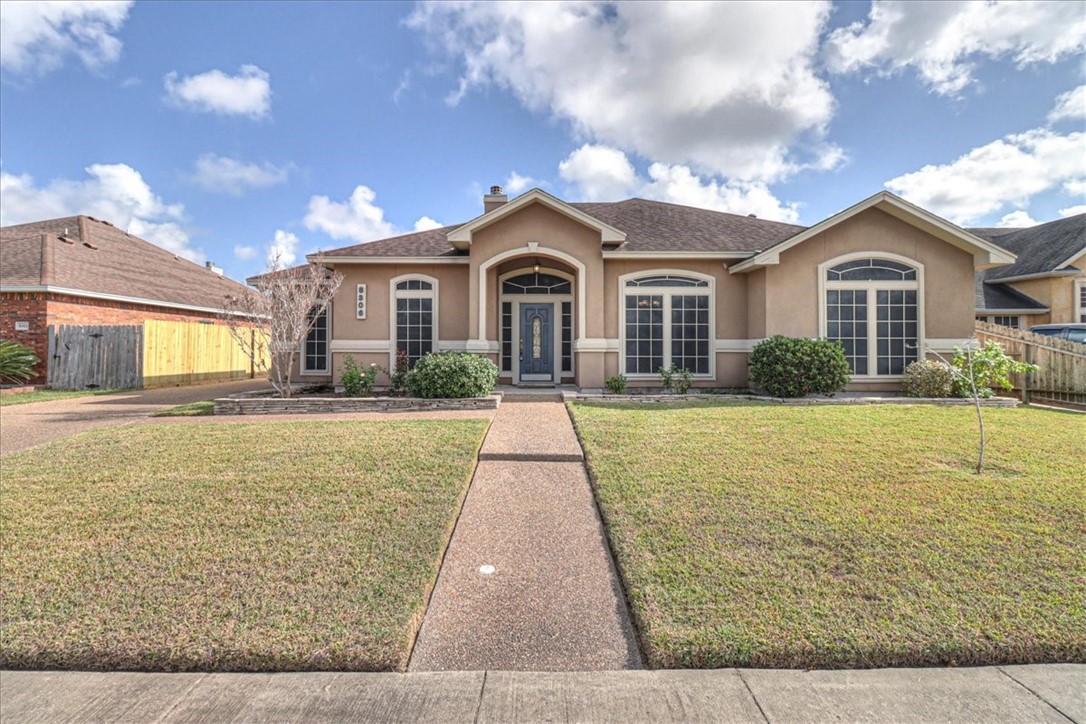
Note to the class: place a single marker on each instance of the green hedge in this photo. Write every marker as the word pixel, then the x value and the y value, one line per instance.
pixel 452 374
pixel 794 367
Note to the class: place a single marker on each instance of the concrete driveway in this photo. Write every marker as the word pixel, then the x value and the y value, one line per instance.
pixel 36 423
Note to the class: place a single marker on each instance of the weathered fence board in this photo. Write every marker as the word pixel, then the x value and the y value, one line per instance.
pixel 95 357
pixel 176 353
pixel 1062 374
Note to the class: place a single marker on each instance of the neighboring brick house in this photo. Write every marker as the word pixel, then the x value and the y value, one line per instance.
pixel 1047 284
pixel 79 270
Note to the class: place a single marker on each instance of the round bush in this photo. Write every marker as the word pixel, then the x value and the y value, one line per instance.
pixel 794 367
pixel 452 374
pixel 928 378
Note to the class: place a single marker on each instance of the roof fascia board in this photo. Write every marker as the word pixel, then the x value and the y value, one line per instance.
pixel 460 237
pixel 1076 255
pixel 333 260
pixel 982 310
pixel 1037 275
pixel 50 289
pixel 985 253
pixel 678 254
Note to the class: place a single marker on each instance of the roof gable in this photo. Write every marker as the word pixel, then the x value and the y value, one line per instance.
pixel 460 237
pixel 985 253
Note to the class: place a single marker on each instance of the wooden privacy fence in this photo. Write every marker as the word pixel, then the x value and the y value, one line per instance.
pixel 154 354
pixel 185 352
pixel 1062 374
pixel 95 357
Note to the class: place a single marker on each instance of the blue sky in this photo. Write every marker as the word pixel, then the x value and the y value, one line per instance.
pixel 224 130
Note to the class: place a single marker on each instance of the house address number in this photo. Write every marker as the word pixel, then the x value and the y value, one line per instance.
pixel 22 326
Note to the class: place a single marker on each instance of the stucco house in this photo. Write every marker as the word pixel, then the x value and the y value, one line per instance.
pixel 571 293
pixel 1047 284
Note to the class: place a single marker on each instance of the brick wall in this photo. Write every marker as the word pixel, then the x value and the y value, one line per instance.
pixel 31 308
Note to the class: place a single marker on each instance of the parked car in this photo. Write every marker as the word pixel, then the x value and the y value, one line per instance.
pixel 1071 331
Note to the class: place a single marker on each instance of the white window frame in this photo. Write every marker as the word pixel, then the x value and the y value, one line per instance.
pixel 360 301
pixel 394 294
pixel 1076 303
pixel 302 370
pixel 666 292
pixel 556 323
pixel 872 304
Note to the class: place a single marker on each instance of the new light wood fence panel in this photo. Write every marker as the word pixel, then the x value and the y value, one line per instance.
pixel 186 352
pixel 1062 377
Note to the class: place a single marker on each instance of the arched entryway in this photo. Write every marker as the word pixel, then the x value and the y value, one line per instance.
pixel 536 331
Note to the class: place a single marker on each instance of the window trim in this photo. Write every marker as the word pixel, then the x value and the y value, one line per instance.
pixel 1076 300
pixel 872 347
pixel 556 323
pixel 394 294
pixel 302 371
pixel 360 301
pixel 709 291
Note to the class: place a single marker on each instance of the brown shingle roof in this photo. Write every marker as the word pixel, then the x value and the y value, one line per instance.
pixel 79 252
pixel 649 226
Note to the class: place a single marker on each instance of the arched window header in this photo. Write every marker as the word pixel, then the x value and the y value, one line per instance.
pixel 536 283
pixel 666 280
pixel 414 284
pixel 870 270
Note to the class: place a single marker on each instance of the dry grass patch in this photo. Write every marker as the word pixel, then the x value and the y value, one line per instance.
pixel 228 547
pixel 771 536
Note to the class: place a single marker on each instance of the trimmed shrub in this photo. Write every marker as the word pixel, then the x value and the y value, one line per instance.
pixel 357 382
pixel 928 378
pixel 794 367
pixel 616 384
pixel 17 362
pixel 452 374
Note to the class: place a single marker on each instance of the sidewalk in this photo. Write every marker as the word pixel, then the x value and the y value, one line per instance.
pixel 553 601
pixel 1045 693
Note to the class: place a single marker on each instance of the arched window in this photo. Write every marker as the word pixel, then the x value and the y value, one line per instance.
pixel 872 308
pixel 536 283
pixel 667 320
pixel 415 315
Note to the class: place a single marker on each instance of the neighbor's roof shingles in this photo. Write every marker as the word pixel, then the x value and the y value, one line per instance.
pixel 124 265
pixel 1042 248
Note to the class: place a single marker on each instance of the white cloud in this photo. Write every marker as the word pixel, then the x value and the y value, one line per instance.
pixel 283 250
pixel 1070 106
pixel 1073 210
pixel 425 223
pixel 234 177
pixel 517 183
pixel 246 94
pixel 1009 171
pixel 114 192
pixel 943 40
pixel 598 173
pixel 1075 187
pixel 245 252
pixel 359 218
pixel 36 37
pixel 702 84
pixel 1017 219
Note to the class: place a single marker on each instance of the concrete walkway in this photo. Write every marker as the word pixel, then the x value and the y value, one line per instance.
pixel 1048 693
pixel 36 423
pixel 552 601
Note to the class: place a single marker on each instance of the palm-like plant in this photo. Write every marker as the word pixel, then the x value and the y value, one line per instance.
pixel 16 362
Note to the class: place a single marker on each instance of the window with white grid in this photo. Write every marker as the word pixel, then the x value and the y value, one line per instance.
pixel 667 321
pixel 414 317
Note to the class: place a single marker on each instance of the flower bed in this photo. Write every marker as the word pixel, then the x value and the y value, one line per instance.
pixel 248 404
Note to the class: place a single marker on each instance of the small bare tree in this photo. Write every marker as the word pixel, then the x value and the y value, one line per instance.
pixel 288 302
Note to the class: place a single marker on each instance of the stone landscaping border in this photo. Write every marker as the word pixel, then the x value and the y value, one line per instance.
pixel 865 400
pixel 18 390
pixel 252 404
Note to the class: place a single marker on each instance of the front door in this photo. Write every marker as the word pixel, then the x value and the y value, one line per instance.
pixel 536 342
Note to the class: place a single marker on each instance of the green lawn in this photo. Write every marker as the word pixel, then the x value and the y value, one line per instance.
pixel 771 536
pixel 47 395
pixel 263 546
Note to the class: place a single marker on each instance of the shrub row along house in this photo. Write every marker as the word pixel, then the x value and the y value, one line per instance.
pixel 103 308
pixel 557 292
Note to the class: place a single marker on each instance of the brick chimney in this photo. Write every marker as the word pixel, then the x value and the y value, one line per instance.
pixel 494 199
